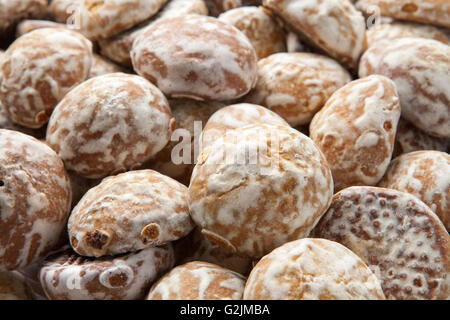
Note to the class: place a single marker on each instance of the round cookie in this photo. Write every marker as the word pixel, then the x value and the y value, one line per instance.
pixel 16 10
pixel 426 11
pixel 13 286
pixel 178 158
pixel 409 139
pixel 356 130
pixel 396 235
pixel 101 66
pixel 128 212
pixel 35 199
pixel 38 69
pixel 67 276
pixel 117 48
pixel 257 23
pixel 236 116
pixel 397 30
pixel 98 19
pixel 195 247
pixel 297 85
pixel 312 269
pixel 259 187
pixel 426 175
pixel 198 281
pixel 196 57
pixel 419 67
pixel 26 26
pixel 333 26
pixel 110 123
pixel 62 10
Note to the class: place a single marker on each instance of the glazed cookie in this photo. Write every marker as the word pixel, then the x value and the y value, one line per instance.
pixel 426 11
pixel 419 68
pixel 297 85
pixel 98 19
pixel 356 130
pixel 117 48
pixel 236 116
pixel 409 139
pixel 13 286
pixel 334 26
pixel 101 66
pixel 196 57
pixel 257 23
pixel 14 11
pixel 198 281
pixel 259 187
pixel 178 158
pixel 312 269
pixel 398 237
pixel 110 123
pixel 62 10
pixel 35 199
pixel 38 69
pixel 216 7
pixel 26 26
pixel 67 276
pixel 128 212
pixel 403 30
pixel 195 247
pixel 426 175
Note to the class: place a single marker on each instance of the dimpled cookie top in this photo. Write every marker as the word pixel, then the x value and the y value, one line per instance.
pixel 110 123
pixel 128 212
pixel 312 269
pixel 196 57
pixel 35 198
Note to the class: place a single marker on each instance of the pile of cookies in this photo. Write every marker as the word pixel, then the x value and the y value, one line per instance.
pixel 224 149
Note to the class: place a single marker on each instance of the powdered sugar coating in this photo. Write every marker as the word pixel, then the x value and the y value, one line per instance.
pixel 98 19
pixel 419 67
pixel 198 281
pixel 426 175
pixel 13 286
pixel 356 130
pixel 196 57
pixel 426 11
pixel 297 85
pixel 236 116
pixel 101 66
pixel 403 30
pixel 67 276
pixel 62 10
pixel 13 11
pixel 109 123
pixel 264 33
pixel 128 212
pixel 38 69
pixel 118 47
pixel 312 269
pixel 334 26
pixel 396 235
pixel 35 199
pixel 259 187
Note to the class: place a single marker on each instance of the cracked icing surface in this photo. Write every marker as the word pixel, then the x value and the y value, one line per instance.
pixel 297 85
pixel 312 269
pixel 257 23
pixel 98 19
pixel 196 57
pixel 334 26
pixel 419 67
pixel 38 69
pixel 397 236
pixel 356 130
pixel 426 175
pixel 425 11
pixel 67 276
pixel 12 11
pixel 110 123
pixel 198 281
pixel 128 212
pixel 118 47
pixel 236 116
pixel 252 202
pixel 35 199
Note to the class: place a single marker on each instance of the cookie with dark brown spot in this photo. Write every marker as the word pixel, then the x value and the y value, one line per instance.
pixel 396 235
pixel 67 276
